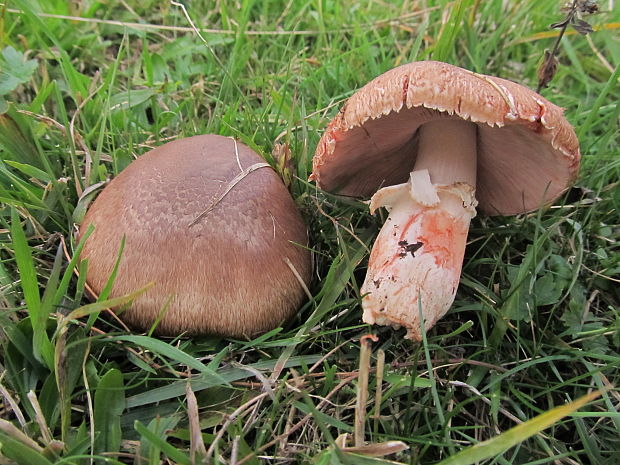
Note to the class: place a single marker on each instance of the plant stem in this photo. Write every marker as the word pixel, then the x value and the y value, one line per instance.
pixel 556 47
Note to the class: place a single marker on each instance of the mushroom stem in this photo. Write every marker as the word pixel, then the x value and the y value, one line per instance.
pixel 448 150
pixel 419 251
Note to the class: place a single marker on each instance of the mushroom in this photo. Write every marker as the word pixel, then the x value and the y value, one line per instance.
pixel 430 141
pixel 213 227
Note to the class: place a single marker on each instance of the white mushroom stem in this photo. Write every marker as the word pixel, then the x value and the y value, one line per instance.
pixel 418 254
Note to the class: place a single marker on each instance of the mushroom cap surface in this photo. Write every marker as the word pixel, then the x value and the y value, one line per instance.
pixel 528 154
pixel 225 274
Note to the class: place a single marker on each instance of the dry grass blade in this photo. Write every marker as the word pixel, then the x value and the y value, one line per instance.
pixel 198 451
pixel 10 430
pixel 362 388
pixel 302 283
pixel 266 383
pixel 301 422
pixel 46 434
pixel 230 418
pixel 379 449
pixel 11 403
pixel 236 180
pixel 379 388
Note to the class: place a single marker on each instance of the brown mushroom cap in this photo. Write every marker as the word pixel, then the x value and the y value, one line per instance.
pixel 528 154
pixel 227 274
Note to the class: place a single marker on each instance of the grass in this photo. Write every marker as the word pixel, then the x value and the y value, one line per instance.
pixel 536 322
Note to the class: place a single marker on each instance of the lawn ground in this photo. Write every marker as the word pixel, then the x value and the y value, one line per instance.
pixel 88 86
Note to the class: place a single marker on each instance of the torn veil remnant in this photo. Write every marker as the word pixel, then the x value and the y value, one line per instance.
pixel 213 227
pixel 432 142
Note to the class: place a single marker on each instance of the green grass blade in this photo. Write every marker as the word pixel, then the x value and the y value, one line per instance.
pixel 166 350
pixel 96 307
pixel 339 275
pixel 168 449
pixel 25 264
pixel 600 99
pixel 500 444
pixel 30 170
pixel 229 375
pixel 323 417
pixel 105 292
pixel 66 278
pixel 41 345
pixel 76 81
pixel 349 458
pixel 160 427
pixel 109 406
pixel 20 453
pixel 444 47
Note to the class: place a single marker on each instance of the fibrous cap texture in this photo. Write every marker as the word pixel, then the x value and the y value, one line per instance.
pixel 226 272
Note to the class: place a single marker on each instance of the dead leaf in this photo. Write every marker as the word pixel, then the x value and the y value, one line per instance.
pixel 547 70
pixel 281 154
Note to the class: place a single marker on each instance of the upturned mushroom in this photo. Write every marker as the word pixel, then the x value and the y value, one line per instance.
pixel 213 227
pixel 430 142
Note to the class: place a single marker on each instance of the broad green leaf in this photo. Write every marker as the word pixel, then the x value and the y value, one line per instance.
pixel 518 305
pixel 15 69
pixel 69 356
pixel 500 444
pixel 546 290
pixel 15 139
pixel 398 382
pixel 48 400
pixel 79 441
pixel 130 99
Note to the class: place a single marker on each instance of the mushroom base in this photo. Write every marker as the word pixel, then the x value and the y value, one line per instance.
pixel 417 257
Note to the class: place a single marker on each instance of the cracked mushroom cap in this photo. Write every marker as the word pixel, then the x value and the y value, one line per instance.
pixel 528 154
pixel 225 271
